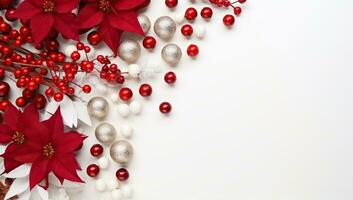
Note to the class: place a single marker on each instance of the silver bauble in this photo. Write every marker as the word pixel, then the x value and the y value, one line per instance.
pixel 121 152
pixel 145 23
pixel 98 107
pixel 129 51
pixel 165 27
pixel 171 54
pixel 105 133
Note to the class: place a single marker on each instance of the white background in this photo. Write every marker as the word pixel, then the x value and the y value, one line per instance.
pixel 264 113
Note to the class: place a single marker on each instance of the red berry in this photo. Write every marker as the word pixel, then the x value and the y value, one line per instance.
pixel 96 150
pixel 170 77
pixel 228 20
pixel 190 13
pixel 3 104
pixel 94 38
pixel 4 89
pixel 58 96
pixel 21 102
pixel 52 45
pixel 125 94
pixel 145 90
pixel 187 30
pixel 171 3
pixel 39 101
pixel 92 170
pixel 122 174
pixel 193 50
pixel 75 55
pixel 86 89
pixel 9 15
pixel 149 42
pixel 28 94
pixel 80 46
pixel 206 12
pixel 241 1
pixel 237 10
pixel 165 107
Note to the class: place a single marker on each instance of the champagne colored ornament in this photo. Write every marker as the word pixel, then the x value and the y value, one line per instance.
pixel 105 133
pixel 145 23
pixel 121 152
pixel 171 54
pixel 98 107
pixel 129 51
pixel 165 27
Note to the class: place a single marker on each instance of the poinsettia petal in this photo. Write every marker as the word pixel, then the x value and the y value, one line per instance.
pixel 55 123
pixel 37 2
pixel 128 4
pixel 126 21
pixel 9 163
pixel 68 142
pixel 44 195
pixel 39 171
pixel 89 16
pixel 20 172
pixel 11 116
pixel 65 24
pixel 18 186
pixel 41 24
pixel 23 154
pixel 30 113
pixel 5 134
pixel 110 35
pixel 65 6
pixel 27 10
pixel 63 170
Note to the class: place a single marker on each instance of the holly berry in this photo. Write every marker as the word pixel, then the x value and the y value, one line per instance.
pixel 149 42
pixel 165 107
pixel 191 13
pixel 96 150
pixel 193 50
pixel 228 20
pixel 86 89
pixel 171 3
pixel 145 90
pixel 237 10
pixel 94 38
pixel 4 89
pixel 21 102
pixel 39 101
pixel 58 96
pixel 9 14
pixel 170 77
pixel 93 170
pixel 242 1
pixel 122 174
pixel 125 94
pixel 187 30
pixel 206 12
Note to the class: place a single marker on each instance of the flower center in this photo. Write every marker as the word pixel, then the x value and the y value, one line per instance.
pixel 105 5
pixel 18 138
pixel 48 5
pixel 48 151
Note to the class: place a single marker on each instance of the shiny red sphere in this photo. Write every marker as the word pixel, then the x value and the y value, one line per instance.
pixel 171 3
pixel 149 42
pixel 21 102
pixel 187 30
pixel 228 20
pixel 170 77
pixel 241 1
pixel 9 14
pixel 191 13
pixel 93 170
pixel 165 107
pixel 39 101
pixel 206 12
pixel 193 50
pixel 94 38
pixel 122 174
pixel 86 89
pixel 237 10
pixel 125 94
pixel 58 96
pixel 145 90
pixel 4 89
pixel 96 150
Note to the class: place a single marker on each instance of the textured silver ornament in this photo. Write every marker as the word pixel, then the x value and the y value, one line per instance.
pixel 129 51
pixel 105 133
pixel 121 152
pixel 165 27
pixel 98 107
pixel 171 54
pixel 145 23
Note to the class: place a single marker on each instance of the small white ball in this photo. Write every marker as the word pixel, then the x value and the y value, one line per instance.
pixel 112 184
pixel 126 130
pixel 179 18
pixel 200 31
pixel 103 162
pixel 100 185
pixel 114 97
pixel 134 70
pixel 117 195
pixel 136 107
pixel 127 191
pixel 101 88
pixel 124 110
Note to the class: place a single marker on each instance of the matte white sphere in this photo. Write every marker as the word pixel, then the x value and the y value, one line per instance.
pixel 103 162
pixel 145 22
pixel 100 185
pixel 134 70
pixel 135 107
pixel 105 133
pixel 200 31
pixel 129 51
pixel 117 195
pixel 127 191
pixel 165 27
pixel 112 184
pixel 121 152
pixel 98 107
pixel 179 18
pixel 126 130
pixel 123 110
pixel 171 54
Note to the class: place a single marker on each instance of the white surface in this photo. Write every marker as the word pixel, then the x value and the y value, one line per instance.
pixel 264 113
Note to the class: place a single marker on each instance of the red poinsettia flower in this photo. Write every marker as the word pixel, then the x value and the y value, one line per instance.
pixel 46 15
pixel 15 131
pixel 112 18
pixel 51 150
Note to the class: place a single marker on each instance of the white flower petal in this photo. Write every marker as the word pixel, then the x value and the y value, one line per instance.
pixel 2 149
pixel 68 112
pixel 19 172
pixel 42 193
pixel 18 186
pixel 25 196
pixel 82 113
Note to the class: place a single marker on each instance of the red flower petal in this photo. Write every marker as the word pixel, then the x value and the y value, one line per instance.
pixel 55 124
pixel 30 114
pixel 11 116
pixel 63 170
pixel 9 163
pixel 64 23
pixel 89 16
pixel 110 35
pixel 128 4
pixel 24 154
pixel 37 2
pixel 41 24
pixel 126 21
pixel 68 142
pixel 27 10
pixel 65 6
pixel 39 171
pixel 5 134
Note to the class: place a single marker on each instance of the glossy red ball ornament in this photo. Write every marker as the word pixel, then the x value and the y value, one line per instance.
pixel 4 89
pixel 86 89
pixel 228 20
pixel 125 94
pixel 241 1
pixel 191 13
pixel 96 150
pixel 171 3
pixel 206 12
pixel 187 30
pixel 165 107
pixel 21 102
pixel 237 10
pixel 122 174
pixel 145 90
pixel 58 96
pixel 193 50
pixel 149 42
pixel 94 38
pixel 170 77
pixel 93 170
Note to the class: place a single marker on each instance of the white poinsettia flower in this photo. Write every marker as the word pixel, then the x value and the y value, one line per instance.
pixel 60 195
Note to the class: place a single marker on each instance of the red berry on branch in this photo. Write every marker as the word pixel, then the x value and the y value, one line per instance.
pixel 193 50
pixel 187 30
pixel 39 101
pixel 58 96
pixel 9 14
pixel 149 42
pixel 228 20
pixel 145 90
pixel 237 10
pixel 96 150
pixel 3 104
pixel 4 89
pixel 75 56
pixel 170 77
pixel 52 45
pixel 122 174
pixel 125 94
pixel 191 13
pixel 93 170
pixel 171 3
pixel 21 102
pixel 86 89
pixel 165 107
pixel 206 12
pixel 94 38
pixel 241 1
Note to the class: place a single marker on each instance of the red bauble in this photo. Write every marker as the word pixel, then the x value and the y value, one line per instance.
pixel 206 12
pixel 122 174
pixel 187 30
pixel 145 90
pixel 94 38
pixel 171 3
pixel 96 150
pixel 149 42
pixel 170 77
pixel 165 107
pixel 4 89
pixel 125 94
pixel 190 13
pixel 86 89
pixel 237 10
pixel 228 20
pixel 58 96
pixel 21 102
pixel 193 50
pixel 92 170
